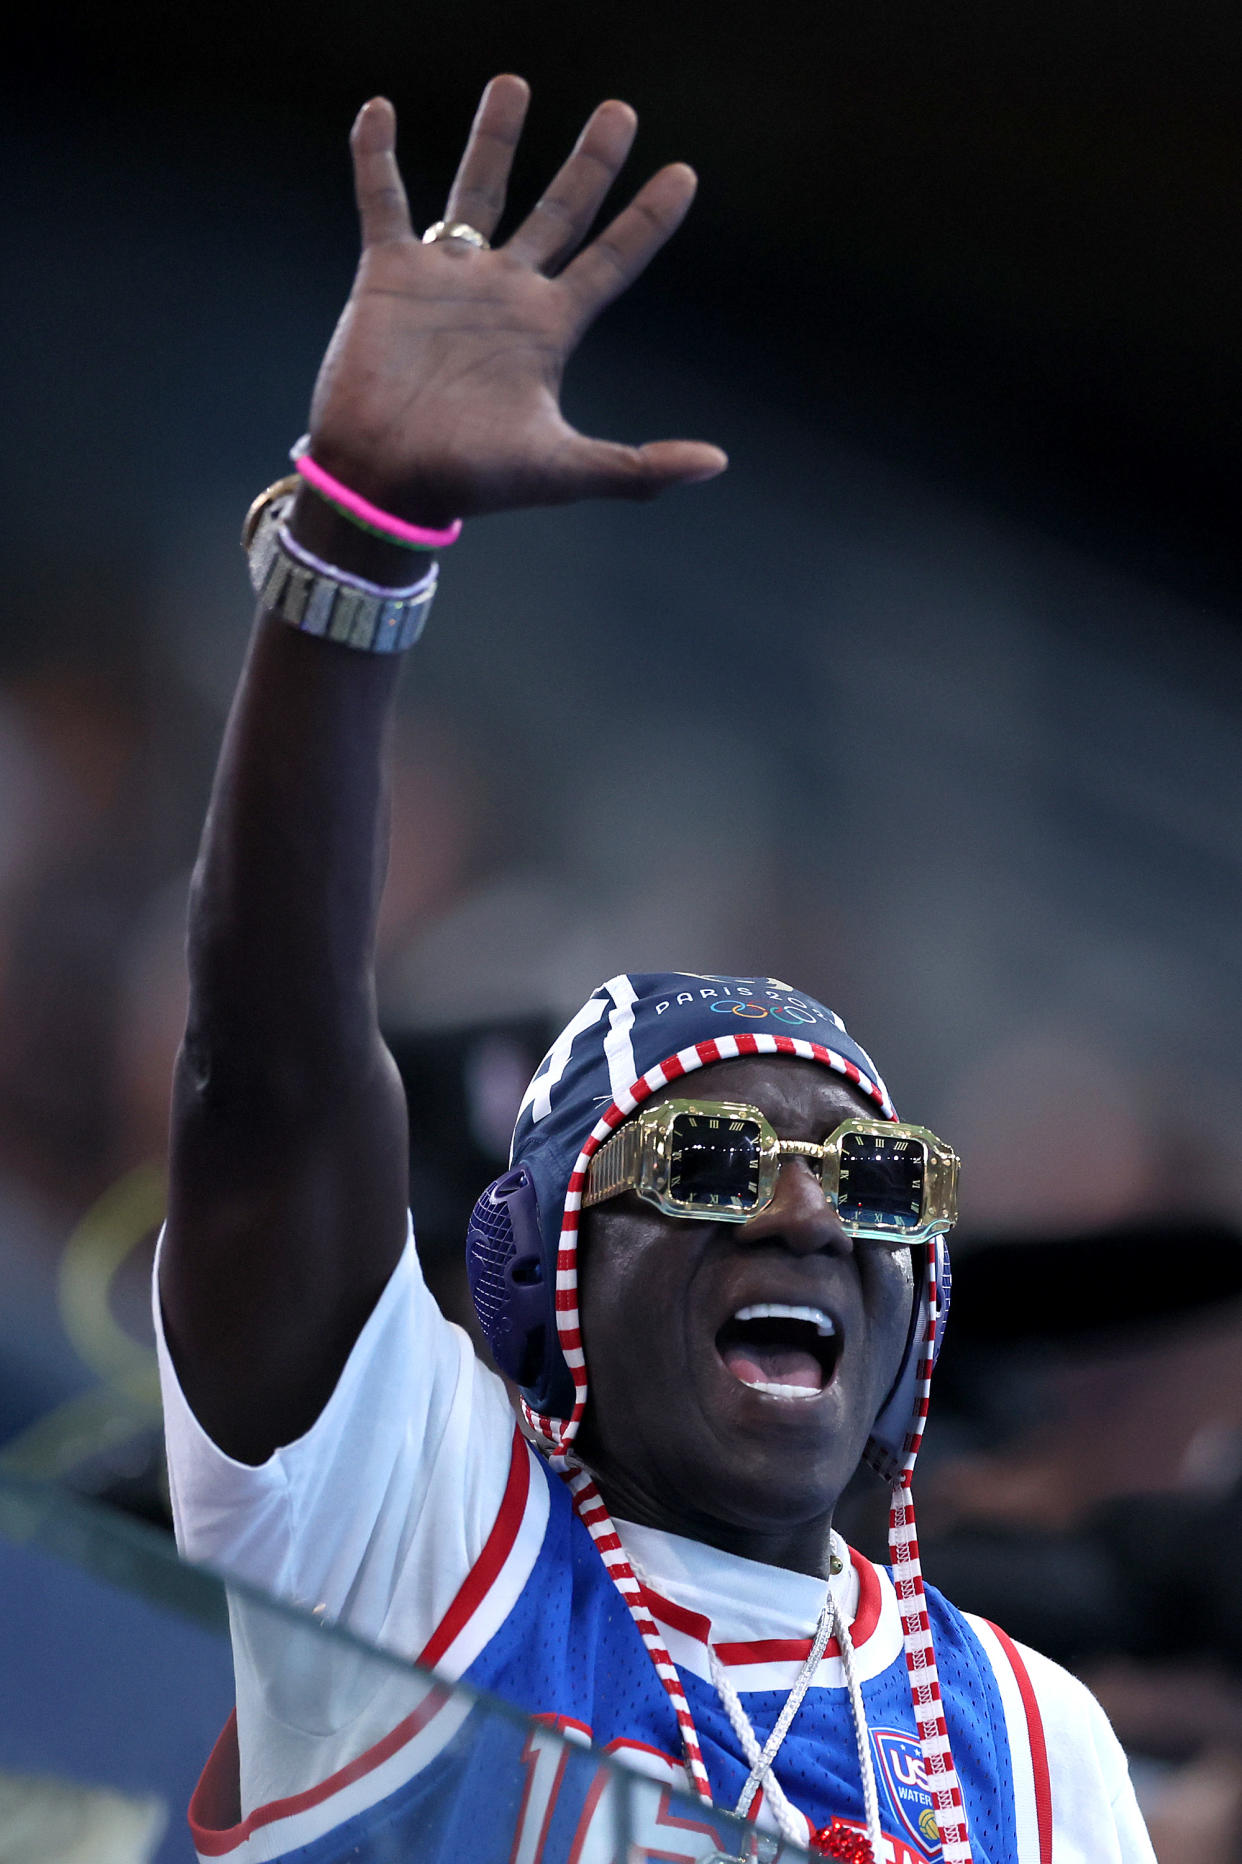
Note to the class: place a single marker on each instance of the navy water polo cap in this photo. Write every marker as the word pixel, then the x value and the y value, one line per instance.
pixel 634 1034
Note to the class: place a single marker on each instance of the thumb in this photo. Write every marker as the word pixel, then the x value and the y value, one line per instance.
pixel 604 469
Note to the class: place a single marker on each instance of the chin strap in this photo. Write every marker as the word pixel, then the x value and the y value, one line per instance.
pixel 903 1542
pixel 938 1763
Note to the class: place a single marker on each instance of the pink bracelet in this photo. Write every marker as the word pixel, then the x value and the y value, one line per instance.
pixel 352 505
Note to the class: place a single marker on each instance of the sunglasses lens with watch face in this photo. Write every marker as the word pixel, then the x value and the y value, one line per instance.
pixel 713 1162
pixel 880 1184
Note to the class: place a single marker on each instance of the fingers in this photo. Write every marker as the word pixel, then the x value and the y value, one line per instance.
pixel 602 469
pixel 562 218
pixel 378 188
pixel 603 270
pixel 477 195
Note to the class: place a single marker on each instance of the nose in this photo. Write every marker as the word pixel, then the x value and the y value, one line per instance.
pixel 800 1216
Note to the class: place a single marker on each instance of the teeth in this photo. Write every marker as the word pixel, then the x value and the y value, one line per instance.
pixel 777 1310
pixel 779 1391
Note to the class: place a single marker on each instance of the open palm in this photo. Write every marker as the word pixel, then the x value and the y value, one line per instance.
pixel 440 393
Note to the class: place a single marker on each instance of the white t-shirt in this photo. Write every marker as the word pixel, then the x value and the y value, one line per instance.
pixel 376 1516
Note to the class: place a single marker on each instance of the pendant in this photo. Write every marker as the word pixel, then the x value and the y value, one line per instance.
pixel 841 1841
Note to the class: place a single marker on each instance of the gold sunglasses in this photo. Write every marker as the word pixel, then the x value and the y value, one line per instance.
pixel 718 1160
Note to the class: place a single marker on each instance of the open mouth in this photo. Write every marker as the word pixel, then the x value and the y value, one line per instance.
pixel 781 1351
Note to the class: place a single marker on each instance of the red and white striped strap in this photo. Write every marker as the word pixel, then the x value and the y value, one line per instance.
pixel 938 1763
pixel 903 1544
pixel 599 1525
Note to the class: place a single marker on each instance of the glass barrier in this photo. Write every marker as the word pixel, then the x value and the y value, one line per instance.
pixel 116 1675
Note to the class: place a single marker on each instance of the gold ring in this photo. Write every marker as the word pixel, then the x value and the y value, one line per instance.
pixel 457 229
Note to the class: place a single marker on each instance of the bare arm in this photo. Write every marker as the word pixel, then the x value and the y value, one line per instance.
pixel 438 398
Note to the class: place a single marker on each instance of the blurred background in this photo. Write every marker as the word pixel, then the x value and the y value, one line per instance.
pixel 930 705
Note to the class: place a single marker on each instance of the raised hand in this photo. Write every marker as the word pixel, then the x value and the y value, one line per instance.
pixel 439 395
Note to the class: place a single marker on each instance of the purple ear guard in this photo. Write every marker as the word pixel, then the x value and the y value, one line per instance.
pixel 886 1446
pixel 514 1291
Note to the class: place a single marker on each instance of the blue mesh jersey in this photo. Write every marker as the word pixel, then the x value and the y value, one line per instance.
pixel 540 1623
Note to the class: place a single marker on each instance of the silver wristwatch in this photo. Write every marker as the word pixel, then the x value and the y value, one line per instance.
pixel 320 599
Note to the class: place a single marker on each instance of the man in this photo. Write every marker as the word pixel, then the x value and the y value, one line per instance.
pixel 759 1291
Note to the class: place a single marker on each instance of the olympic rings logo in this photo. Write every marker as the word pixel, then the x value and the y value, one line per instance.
pixel 757 1011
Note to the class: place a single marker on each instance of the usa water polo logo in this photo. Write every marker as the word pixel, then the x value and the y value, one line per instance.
pixel 899 1759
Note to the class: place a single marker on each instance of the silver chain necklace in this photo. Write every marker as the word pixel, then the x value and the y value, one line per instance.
pixel 790 1823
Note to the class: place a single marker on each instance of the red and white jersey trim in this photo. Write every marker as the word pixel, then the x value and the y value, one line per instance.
pixel 491 1589
pixel 1028 1748
pixel 273 1830
pixel 483 1602
pixel 775 1663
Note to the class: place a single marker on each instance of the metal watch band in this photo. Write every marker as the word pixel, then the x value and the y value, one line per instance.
pixel 337 608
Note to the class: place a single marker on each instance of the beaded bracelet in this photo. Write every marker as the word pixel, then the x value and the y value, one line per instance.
pixel 363 513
